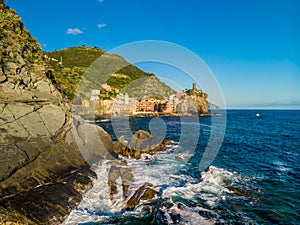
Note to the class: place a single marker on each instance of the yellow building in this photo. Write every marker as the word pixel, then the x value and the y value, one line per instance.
pixel 86 103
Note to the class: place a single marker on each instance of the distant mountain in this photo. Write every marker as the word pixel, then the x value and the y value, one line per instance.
pixel 92 67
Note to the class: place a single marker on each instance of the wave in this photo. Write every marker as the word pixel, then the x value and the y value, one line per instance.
pixel 203 202
pixel 176 193
pixel 210 189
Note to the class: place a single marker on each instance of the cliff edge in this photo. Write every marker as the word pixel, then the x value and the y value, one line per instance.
pixel 193 103
pixel 43 171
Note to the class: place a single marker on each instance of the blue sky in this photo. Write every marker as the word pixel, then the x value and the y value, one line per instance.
pixel 252 47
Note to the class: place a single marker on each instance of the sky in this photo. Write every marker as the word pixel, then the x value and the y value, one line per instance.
pixel 251 47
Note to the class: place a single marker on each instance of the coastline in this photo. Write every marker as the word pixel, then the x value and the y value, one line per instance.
pixel 100 118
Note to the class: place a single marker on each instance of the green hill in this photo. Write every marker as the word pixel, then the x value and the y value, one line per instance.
pixel 92 67
pixel 148 86
pixel 76 56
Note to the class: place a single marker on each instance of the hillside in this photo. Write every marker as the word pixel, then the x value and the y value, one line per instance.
pixel 148 86
pixel 70 66
pixel 43 173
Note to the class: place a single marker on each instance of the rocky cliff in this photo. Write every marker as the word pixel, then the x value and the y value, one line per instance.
pixel 44 152
pixel 194 102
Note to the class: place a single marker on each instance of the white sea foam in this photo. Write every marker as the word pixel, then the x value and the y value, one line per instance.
pixel 188 215
pixel 211 189
pixel 159 170
pixel 95 200
pixel 281 166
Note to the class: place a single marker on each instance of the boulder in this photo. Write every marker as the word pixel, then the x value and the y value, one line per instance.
pixel 120 146
pixel 120 170
pixel 94 143
pixel 179 158
pixel 142 142
pixel 145 192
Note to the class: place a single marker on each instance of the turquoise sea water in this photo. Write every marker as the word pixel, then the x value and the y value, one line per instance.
pixel 255 178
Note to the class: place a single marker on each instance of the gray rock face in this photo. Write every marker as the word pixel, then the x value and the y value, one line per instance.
pixel 43 150
pixel 25 121
pixel 194 104
pixel 53 118
pixel 94 143
pixel 50 203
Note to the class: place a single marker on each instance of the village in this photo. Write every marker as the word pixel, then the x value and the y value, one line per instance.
pixel 124 105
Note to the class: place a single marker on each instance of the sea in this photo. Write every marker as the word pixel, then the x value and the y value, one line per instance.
pixel 253 178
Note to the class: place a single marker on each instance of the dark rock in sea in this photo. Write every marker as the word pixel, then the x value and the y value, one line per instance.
pixel 179 158
pixel 143 193
pixel 120 147
pixel 142 142
pixel 118 170
pixel 45 152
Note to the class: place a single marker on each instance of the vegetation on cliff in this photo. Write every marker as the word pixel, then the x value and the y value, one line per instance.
pixel 150 86
pixel 42 171
pixel 45 151
pixel 16 46
pixel 194 103
pixel 68 66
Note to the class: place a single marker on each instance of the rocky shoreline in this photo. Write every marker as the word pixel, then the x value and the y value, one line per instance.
pixel 102 118
pixel 49 203
pixel 43 168
pixel 45 151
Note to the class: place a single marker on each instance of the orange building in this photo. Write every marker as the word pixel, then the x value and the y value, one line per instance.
pixel 146 105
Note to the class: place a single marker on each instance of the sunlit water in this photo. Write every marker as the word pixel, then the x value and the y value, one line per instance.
pixel 254 179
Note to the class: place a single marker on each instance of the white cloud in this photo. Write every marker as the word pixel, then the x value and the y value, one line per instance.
pixel 74 31
pixel 44 46
pixel 101 25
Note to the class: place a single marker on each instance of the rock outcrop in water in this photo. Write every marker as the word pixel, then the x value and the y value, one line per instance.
pixel 43 168
pixel 145 192
pixel 120 170
pixel 142 142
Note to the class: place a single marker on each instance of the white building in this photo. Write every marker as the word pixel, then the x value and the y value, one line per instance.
pixel 95 95
pixel 95 92
pixel 171 97
pixel 126 99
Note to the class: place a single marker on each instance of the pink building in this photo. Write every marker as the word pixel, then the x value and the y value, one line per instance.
pixel 180 94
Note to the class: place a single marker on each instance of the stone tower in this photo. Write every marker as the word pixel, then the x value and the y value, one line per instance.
pixel 194 87
pixel 194 90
